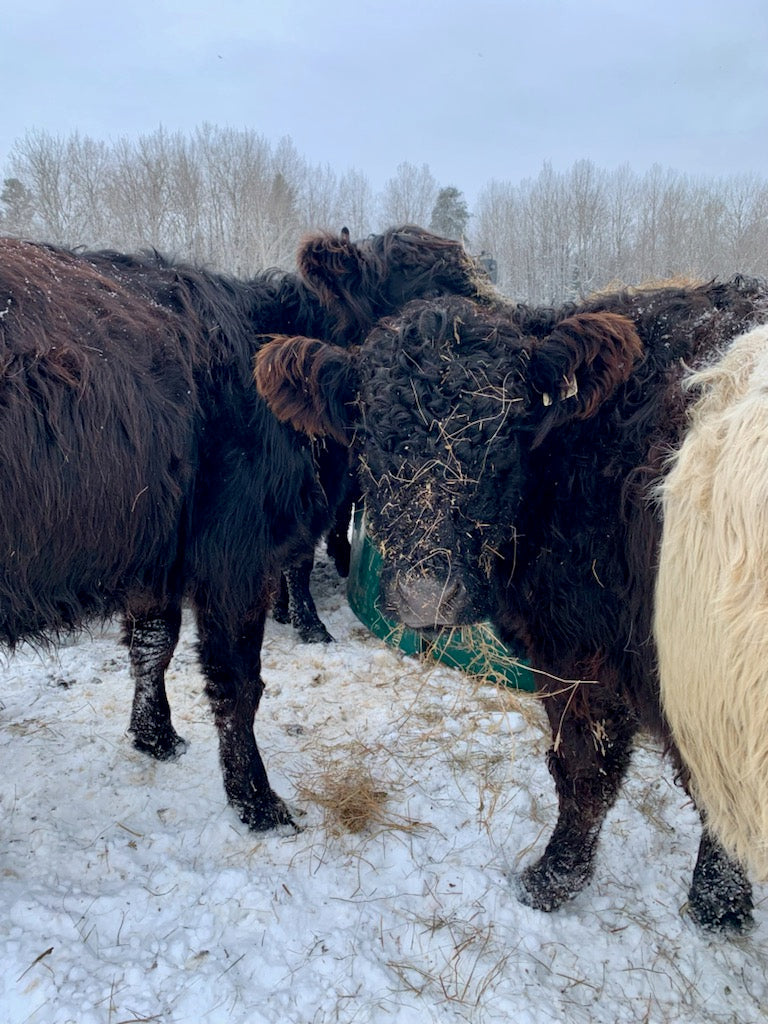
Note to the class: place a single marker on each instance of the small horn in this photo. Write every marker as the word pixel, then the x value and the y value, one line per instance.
pixel 571 388
pixel 546 399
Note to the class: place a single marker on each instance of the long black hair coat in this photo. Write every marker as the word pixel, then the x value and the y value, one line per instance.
pixel 140 467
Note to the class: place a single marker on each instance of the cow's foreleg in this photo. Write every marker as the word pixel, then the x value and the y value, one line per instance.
pixel 720 896
pixel 592 731
pixel 337 543
pixel 231 662
pixel 302 612
pixel 280 612
pixel 151 640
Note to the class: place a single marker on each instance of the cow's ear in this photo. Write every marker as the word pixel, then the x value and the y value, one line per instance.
pixel 310 384
pixel 333 267
pixel 580 364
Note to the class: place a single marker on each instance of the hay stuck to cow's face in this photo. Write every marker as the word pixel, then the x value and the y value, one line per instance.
pixel 443 405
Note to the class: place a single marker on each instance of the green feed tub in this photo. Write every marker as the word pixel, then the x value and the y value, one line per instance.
pixel 474 649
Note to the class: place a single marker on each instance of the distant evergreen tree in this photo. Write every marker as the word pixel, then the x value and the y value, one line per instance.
pixel 450 215
pixel 18 203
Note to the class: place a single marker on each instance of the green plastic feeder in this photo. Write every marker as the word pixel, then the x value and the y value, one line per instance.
pixel 474 649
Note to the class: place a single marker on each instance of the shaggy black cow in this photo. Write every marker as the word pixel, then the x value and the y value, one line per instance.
pixel 140 467
pixel 508 458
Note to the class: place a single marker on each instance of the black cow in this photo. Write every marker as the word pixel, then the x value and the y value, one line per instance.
pixel 508 460
pixel 140 467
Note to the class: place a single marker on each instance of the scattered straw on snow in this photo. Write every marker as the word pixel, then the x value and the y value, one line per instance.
pixel 129 891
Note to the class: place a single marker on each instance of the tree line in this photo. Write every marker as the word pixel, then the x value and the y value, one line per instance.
pixel 565 235
pixel 235 201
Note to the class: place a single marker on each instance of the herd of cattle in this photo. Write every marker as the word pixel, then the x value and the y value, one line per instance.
pixel 171 435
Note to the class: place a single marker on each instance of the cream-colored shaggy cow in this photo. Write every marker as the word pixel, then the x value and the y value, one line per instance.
pixel 711 617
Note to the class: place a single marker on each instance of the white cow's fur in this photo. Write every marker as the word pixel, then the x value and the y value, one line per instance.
pixel 711 618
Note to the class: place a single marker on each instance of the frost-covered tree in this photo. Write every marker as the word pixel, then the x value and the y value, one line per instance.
pixel 17 207
pixel 409 197
pixel 239 202
pixel 450 214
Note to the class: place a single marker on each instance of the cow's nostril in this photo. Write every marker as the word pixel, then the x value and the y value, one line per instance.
pixel 429 602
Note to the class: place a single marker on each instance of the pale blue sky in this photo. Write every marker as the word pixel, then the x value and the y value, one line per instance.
pixel 477 89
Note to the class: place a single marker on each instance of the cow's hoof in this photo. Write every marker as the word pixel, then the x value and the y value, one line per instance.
pixel 723 908
pixel 314 634
pixel 543 887
pixel 720 896
pixel 164 746
pixel 266 814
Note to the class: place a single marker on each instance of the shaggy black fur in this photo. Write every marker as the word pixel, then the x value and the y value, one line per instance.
pixel 140 467
pixel 293 602
pixel 508 460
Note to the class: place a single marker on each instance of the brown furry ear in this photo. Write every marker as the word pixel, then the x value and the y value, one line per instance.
pixel 310 384
pixel 580 364
pixel 334 268
pixel 360 283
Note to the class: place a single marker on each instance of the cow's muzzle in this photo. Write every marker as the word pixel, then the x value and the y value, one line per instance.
pixel 430 602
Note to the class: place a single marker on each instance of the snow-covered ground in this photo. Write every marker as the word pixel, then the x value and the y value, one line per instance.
pixel 130 892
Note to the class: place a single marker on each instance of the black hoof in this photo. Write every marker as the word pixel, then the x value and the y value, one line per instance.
pixel 314 634
pixel 166 746
pixel 543 886
pixel 264 815
pixel 720 897
pixel 724 911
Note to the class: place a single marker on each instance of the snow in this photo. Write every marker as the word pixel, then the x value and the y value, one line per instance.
pixel 130 891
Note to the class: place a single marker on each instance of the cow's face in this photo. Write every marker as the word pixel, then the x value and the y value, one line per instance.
pixel 442 443
pixel 443 407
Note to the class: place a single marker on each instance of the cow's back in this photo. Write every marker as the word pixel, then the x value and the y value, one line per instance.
pixel 97 434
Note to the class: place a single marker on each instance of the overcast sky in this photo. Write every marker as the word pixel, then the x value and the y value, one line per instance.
pixel 478 90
